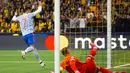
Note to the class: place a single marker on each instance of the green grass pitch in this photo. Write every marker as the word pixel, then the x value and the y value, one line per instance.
pixel 11 61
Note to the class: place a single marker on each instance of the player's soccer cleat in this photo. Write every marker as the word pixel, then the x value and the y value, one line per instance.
pixel 42 64
pixel 93 45
pixel 23 54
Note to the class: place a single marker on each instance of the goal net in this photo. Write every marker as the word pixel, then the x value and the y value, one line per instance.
pixel 85 21
pixel 120 41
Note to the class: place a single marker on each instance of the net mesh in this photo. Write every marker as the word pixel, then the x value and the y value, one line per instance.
pixel 83 21
pixel 120 23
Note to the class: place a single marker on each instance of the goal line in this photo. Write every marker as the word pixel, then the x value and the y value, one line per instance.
pixel 119 66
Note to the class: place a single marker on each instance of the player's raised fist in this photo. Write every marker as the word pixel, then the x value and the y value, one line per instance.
pixel 39 2
pixel 15 13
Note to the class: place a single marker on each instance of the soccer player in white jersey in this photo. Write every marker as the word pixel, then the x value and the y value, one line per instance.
pixel 27 29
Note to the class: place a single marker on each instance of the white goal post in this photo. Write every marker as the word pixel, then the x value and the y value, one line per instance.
pixel 57 36
pixel 109 33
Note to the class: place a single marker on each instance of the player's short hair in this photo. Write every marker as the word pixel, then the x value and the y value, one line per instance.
pixel 65 51
pixel 27 8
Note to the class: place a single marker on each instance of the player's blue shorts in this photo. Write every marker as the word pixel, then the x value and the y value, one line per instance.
pixel 29 39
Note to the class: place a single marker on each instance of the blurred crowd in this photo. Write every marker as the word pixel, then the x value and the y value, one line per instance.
pixel 43 21
pixel 76 15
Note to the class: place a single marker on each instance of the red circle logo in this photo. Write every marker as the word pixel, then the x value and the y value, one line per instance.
pixel 49 42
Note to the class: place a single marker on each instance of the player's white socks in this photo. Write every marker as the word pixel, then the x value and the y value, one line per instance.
pixel 38 58
pixel 37 55
pixel 29 49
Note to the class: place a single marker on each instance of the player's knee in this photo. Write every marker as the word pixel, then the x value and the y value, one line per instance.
pixel 32 45
pixel 90 57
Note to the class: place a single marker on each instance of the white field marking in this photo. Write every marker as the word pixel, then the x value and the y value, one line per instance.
pixel 22 50
pixel 25 62
pixel 32 55
pixel 20 55
pixel 119 66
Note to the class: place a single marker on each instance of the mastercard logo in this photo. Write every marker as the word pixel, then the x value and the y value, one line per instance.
pixel 49 42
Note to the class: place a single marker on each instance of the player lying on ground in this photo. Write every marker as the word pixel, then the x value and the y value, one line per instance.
pixel 72 65
pixel 27 29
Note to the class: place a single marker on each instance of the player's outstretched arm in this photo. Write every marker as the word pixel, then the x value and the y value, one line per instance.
pixel 72 65
pixel 14 17
pixel 39 8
